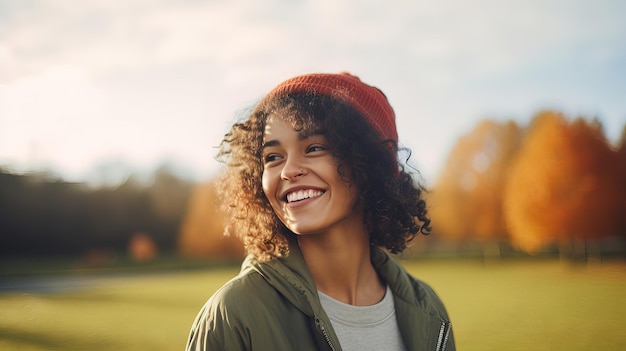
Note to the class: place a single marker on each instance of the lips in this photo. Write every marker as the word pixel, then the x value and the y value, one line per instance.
pixel 303 194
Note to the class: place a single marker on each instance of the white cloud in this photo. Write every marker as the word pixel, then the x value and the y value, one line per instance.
pixel 49 117
pixel 67 66
pixel 105 35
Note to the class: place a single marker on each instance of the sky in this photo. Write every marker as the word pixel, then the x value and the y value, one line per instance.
pixel 91 90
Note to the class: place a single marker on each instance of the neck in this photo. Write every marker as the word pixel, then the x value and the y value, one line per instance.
pixel 341 267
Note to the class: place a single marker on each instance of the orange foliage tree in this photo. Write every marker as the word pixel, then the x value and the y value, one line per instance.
pixel 562 187
pixel 202 230
pixel 621 159
pixel 466 202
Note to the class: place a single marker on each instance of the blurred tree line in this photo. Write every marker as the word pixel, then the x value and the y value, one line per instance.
pixel 555 184
pixel 41 215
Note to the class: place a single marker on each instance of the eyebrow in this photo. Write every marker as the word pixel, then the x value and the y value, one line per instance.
pixel 301 136
pixel 270 143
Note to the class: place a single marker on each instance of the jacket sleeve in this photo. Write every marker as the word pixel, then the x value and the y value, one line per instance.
pixel 214 330
pixel 201 337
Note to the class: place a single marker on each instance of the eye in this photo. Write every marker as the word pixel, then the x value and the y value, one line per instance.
pixel 271 158
pixel 316 148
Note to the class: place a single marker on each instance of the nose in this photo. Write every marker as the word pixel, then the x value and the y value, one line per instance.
pixel 292 170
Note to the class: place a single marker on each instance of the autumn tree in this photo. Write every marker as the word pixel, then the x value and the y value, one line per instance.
pixel 562 187
pixel 466 203
pixel 202 230
pixel 621 169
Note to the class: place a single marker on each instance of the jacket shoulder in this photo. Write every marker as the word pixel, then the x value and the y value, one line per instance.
pixel 428 298
pixel 240 296
pixel 222 321
pixel 249 313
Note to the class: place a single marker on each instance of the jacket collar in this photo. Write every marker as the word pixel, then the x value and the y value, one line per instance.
pixel 292 278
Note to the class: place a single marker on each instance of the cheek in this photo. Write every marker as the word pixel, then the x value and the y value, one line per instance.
pixel 269 187
pixel 354 196
pixel 349 189
pixel 265 183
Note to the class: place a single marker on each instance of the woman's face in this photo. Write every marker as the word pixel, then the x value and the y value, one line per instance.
pixel 302 183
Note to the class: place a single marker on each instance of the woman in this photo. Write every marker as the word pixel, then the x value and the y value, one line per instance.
pixel 318 198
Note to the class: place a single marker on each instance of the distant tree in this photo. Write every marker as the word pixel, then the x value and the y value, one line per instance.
pixel 562 187
pixel 621 169
pixel 466 203
pixel 602 191
pixel 168 198
pixel 44 215
pixel 202 230
pixel 114 214
pixel 621 144
pixel 40 214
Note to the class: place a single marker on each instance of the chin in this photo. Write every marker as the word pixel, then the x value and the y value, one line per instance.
pixel 302 230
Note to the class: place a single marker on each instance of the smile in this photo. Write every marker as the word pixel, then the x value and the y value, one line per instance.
pixel 303 194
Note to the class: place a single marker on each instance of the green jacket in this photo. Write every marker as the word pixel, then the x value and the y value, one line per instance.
pixel 275 306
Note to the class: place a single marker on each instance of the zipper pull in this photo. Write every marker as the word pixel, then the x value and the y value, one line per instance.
pixel 322 328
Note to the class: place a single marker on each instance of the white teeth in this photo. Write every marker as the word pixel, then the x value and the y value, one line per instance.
pixel 303 194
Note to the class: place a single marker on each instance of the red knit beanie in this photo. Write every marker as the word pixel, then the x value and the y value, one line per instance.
pixel 368 100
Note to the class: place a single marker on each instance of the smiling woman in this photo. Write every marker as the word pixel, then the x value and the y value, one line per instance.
pixel 318 197
pixel 301 183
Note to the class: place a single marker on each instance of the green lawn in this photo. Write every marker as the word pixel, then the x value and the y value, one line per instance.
pixel 522 305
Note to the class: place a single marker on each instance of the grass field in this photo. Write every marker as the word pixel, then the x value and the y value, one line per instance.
pixel 511 305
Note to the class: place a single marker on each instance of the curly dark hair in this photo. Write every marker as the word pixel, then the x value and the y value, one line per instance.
pixel 394 209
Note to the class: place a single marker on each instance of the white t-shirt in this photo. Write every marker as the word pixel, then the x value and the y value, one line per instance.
pixel 362 328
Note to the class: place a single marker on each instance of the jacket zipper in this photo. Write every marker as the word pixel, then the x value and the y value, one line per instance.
pixel 323 329
pixel 444 332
